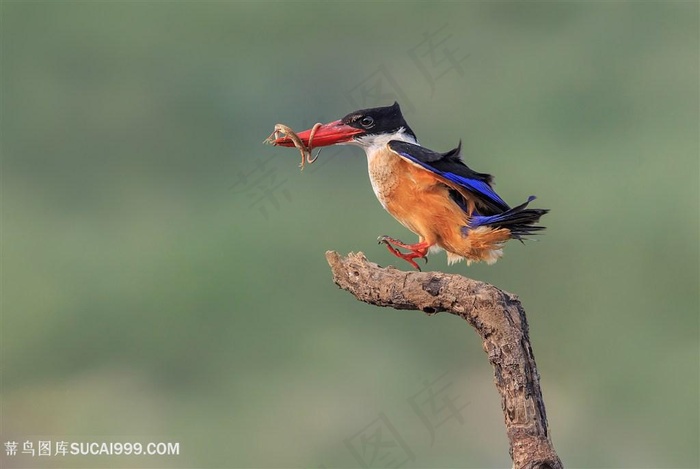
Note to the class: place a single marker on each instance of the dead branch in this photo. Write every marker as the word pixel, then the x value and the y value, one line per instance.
pixel 499 319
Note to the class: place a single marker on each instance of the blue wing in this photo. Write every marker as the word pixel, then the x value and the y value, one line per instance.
pixel 450 166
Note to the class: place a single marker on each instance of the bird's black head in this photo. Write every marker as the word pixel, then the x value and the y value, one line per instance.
pixel 378 120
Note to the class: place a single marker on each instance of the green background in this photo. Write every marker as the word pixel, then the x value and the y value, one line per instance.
pixel 163 272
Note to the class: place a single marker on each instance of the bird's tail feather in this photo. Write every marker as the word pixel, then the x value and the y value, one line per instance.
pixel 518 220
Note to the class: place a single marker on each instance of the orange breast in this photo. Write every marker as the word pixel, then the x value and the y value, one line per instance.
pixel 415 197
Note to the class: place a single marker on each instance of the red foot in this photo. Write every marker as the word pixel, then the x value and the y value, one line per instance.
pixel 418 250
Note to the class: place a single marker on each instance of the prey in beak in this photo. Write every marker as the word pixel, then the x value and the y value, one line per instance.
pixel 320 135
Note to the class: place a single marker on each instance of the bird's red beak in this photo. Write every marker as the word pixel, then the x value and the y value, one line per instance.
pixel 327 134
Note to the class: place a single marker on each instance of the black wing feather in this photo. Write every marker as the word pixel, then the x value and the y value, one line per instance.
pixel 450 166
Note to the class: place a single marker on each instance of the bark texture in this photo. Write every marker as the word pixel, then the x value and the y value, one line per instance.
pixel 498 318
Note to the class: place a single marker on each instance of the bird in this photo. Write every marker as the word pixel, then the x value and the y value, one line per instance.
pixel 435 195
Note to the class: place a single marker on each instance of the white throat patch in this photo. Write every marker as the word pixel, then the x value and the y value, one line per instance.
pixel 374 143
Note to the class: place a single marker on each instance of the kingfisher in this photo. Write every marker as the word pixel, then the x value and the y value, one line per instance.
pixel 435 195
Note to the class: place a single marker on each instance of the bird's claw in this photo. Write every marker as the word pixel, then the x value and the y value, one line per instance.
pixel 408 257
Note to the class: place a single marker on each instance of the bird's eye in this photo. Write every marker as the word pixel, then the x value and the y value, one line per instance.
pixel 367 122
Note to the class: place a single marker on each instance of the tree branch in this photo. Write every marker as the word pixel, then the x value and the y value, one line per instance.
pixel 499 319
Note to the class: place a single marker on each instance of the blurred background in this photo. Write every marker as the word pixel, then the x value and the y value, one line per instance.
pixel 163 272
